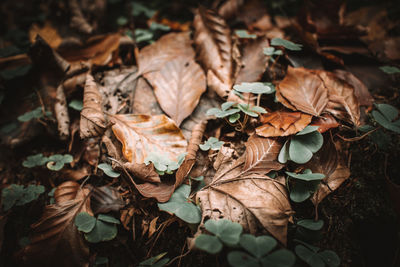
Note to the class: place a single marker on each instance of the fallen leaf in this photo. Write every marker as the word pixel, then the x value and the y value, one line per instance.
pixel 178 86
pixel 230 8
pixel 144 101
pixel 261 155
pixel 360 90
pixel 105 199
pixel 282 123
pixel 55 235
pixel 78 21
pixel 341 96
pixel 214 47
pixel 93 122
pixel 304 90
pixel 142 134
pixel 47 32
pixel 325 122
pixel 253 60
pixel 252 200
pixel 329 162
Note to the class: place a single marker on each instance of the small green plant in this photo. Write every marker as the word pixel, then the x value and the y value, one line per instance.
pixel 54 162
pixel 181 205
pixel 76 104
pixel 390 69
pixel 286 44
pixel 271 52
pixel 212 143
pixel 305 184
pixel 259 253
pixel 34 114
pixel 301 147
pixel 245 34
pixel 163 164
pixel 18 195
pixel 156 261
pixel 385 115
pixel 148 35
pixel 225 232
pixel 102 228
pixel 108 170
pixel 314 257
pixel 139 9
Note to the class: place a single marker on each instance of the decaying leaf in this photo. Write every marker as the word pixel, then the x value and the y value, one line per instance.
pixel 61 112
pixel 142 134
pixel 341 97
pixel 304 90
pixel 105 199
pixel 253 60
pixel 282 123
pixel 93 122
pixel 253 200
pixel 178 86
pixel 230 8
pixel 329 162
pixel 78 21
pixel 261 155
pixel 47 32
pixel 55 235
pixel 215 51
pixel 325 122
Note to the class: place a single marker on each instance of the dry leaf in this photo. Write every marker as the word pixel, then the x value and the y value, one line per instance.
pixel 61 112
pixel 304 90
pixel 93 122
pixel 105 199
pixel 143 172
pixel 282 123
pixel 144 101
pixel 178 86
pixel 331 164
pixel 341 97
pixel 141 135
pixel 55 235
pixel 253 200
pixel 153 57
pixel 214 47
pixel 78 21
pixel 325 122
pixel 230 8
pixel 253 60
pixel 360 90
pixel 47 32
pixel 261 155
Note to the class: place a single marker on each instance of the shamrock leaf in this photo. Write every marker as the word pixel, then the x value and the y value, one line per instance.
pixel 212 143
pixel 286 44
pixel 108 170
pixel 56 162
pixel 35 160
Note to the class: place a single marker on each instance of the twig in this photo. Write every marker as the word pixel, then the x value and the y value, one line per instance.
pixel 359 137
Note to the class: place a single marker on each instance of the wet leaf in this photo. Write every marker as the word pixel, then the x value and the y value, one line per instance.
pixel 56 162
pixel 178 86
pixel 93 122
pixel 252 200
pixel 55 235
pixel 282 123
pixel 303 90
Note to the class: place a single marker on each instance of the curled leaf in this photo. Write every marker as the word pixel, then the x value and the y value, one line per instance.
pixel 282 123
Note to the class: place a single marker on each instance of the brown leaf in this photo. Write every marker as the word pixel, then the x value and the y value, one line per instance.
pixel 141 135
pixel 214 47
pixel 178 86
pixel 253 200
pixel 154 56
pixel 230 8
pixel 261 155
pixel 360 90
pixel 325 122
pixel 93 122
pixel 282 123
pixel 55 235
pixel 105 199
pixel 143 172
pixel 61 113
pixel 78 21
pixel 304 90
pixel 144 101
pixel 341 97
pixel 254 61
pixel 47 32
pixel 330 163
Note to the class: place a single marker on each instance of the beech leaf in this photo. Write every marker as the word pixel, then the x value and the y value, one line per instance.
pixel 282 123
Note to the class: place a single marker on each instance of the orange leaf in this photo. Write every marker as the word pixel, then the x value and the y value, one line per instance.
pixel 282 123
pixel 325 123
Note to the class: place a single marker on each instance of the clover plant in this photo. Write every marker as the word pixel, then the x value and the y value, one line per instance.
pixel 156 261
pixel 314 257
pixel 212 143
pixel 385 115
pixel 54 162
pixel 108 170
pixel 34 114
pixel 102 228
pixel 19 195
pixel 301 147
pixel 389 69
pixel 304 185
pixel 163 164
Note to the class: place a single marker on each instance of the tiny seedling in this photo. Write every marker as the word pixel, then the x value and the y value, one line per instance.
pixel 301 147
pixel 385 115
pixel 316 258
pixel 156 261
pixel 138 9
pixel 245 34
pixel 34 161
pixel 255 88
pixel 259 253
pixel 180 205
pixel 54 162
pixel 286 44
pixel 271 52
pixel 212 143
pixel 390 69
pixel 225 232
pixel 147 35
pixel 163 164
pixel 76 104
pixel 18 195
pixel 304 185
pixel 34 114
pixel 108 170
pixel 102 228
